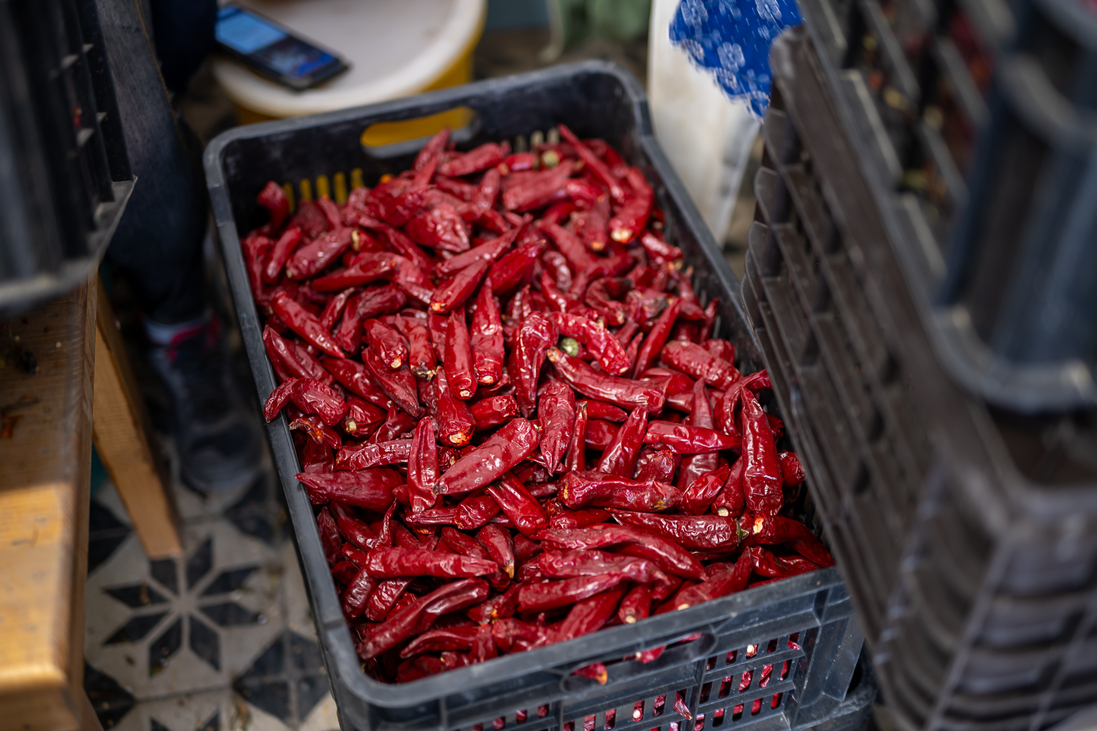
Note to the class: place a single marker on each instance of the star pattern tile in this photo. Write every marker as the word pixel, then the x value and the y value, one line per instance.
pixel 220 639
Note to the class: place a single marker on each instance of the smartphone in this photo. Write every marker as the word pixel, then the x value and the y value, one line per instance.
pixel 273 51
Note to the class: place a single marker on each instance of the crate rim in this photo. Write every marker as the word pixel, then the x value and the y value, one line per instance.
pixel 328 614
pixel 1043 501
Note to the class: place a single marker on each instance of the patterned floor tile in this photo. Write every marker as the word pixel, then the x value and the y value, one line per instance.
pixel 173 626
pixel 221 639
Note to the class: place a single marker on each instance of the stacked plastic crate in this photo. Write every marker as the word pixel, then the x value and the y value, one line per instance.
pixel 64 174
pixel 955 472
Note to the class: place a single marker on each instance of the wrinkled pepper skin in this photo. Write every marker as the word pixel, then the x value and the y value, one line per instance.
pixel 535 338
pixel 422 467
pixel 370 489
pixel 556 412
pixel 762 480
pixel 695 532
pixel 486 463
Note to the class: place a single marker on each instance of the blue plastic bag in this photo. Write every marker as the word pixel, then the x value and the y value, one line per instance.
pixel 730 39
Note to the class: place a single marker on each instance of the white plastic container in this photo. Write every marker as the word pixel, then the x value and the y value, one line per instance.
pixel 395 48
pixel 706 135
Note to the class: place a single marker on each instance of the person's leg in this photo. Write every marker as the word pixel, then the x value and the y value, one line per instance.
pixel 158 248
pixel 158 244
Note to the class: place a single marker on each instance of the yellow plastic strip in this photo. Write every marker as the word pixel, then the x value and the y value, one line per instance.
pixel 289 196
pixel 306 189
pixel 356 178
pixel 340 181
pixel 322 188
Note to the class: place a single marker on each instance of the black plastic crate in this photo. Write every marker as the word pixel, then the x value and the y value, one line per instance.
pixel 976 123
pixel 967 536
pixel 64 174
pixel 743 632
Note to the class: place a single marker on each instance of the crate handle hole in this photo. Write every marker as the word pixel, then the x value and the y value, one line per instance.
pixel 463 122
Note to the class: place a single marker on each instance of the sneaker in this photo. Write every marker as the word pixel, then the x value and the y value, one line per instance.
pixel 217 434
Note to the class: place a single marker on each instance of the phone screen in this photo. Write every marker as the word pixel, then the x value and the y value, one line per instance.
pixel 268 45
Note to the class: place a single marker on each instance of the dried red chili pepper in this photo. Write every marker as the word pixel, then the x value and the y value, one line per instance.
pixel 487 251
pixel 397 423
pixel 578 518
pixel 475 511
pixel 698 497
pixel 519 505
pixel 488 350
pixel 330 540
pixel 762 479
pixel 448 598
pixel 492 411
pixel 280 253
pixel 720 584
pixel 603 411
pixel 514 634
pixel 700 417
pixel 596 489
pixel 635 605
pixel 598 341
pixel 387 563
pixel 657 464
pixel 632 217
pixel 595 164
pixel 397 385
pixel 553 594
pixel 351 527
pixel 687 439
pixel 511 270
pixel 370 489
pixel 766 564
pixel 537 189
pixel 619 457
pixel 656 339
pixel 368 267
pixel 773 529
pixel 374 454
pixel 304 323
pixel 390 346
pixel 297 361
pixel 556 413
pixel 274 199
pixel 421 359
pixel 569 564
pixel 695 532
pixel 309 395
pixel 459 287
pixel 422 468
pixel 575 458
pixel 504 450
pixel 438 640
pixel 334 308
pixel 457 357
pixel 696 361
pixel 357 595
pixel 499 546
pixel 792 472
pixel 589 615
pixel 481 158
pixel 318 254
pixel 454 420
pixel 623 392
pixel 668 556
pixel 536 336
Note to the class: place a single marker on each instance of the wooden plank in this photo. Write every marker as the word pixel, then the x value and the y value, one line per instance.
pixel 45 450
pixel 126 443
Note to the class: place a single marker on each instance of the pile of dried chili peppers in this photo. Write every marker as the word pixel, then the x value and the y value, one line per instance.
pixel 509 410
